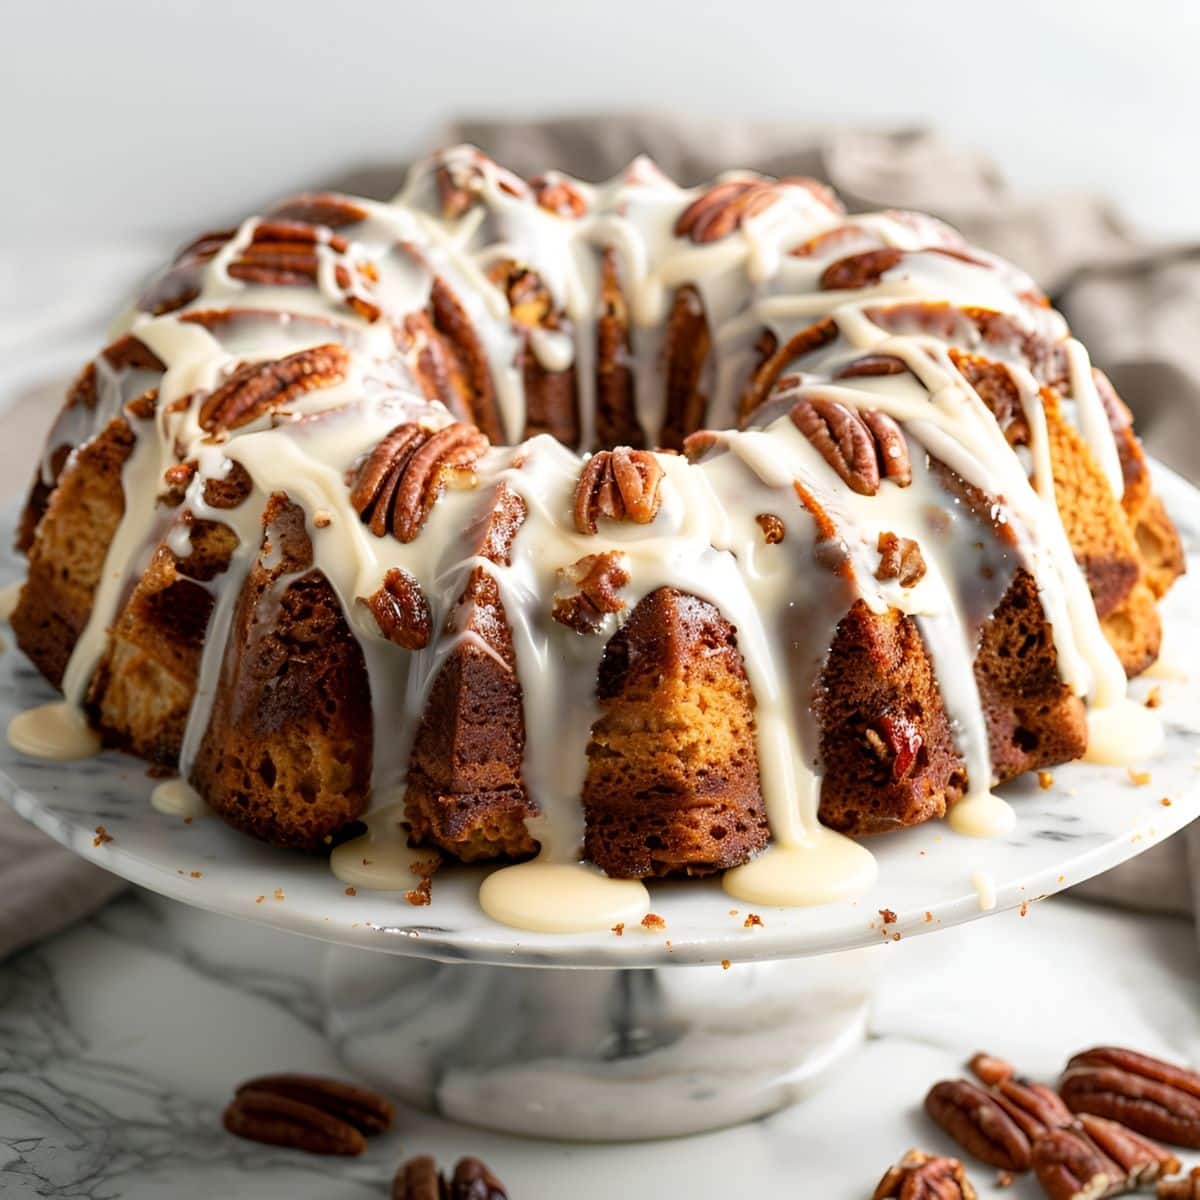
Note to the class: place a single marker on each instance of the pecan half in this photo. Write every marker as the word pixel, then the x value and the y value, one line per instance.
pixel 559 195
pixel 306 1112
pixel 1069 1166
pixel 726 206
pixel 256 388
pixel 420 1179
pixel 330 209
pixel 400 481
pixel 460 183
pixel 401 610
pixel 1143 1161
pixel 621 484
pixel 843 440
pixel 364 1109
pixel 921 1176
pixel 278 1121
pixel 899 558
pixel 862 447
pixel 1145 1094
pixel 589 590
pixel 979 1124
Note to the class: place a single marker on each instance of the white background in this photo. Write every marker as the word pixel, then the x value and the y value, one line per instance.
pixel 126 116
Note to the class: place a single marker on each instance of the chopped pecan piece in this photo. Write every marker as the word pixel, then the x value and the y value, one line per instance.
pixel 621 484
pixel 989 1069
pixel 726 206
pixel 400 481
pixel 862 447
pixel 401 610
pixel 921 1176
pixel 872 365
pixel 773 528
pixel 697 445
pixel 899 558
pixel 1180 1189
pixel 1145 1094
pixel 589 590
pixel 559 195
pixel 420 1179
pixel 974 1119
pixel 256 388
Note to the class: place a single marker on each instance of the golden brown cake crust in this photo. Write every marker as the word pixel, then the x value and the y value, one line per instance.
pixel 287 753
pixel 66 557
pixel 672 786
pixel 466 787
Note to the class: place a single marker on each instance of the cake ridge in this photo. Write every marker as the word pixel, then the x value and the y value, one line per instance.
pixel 696 308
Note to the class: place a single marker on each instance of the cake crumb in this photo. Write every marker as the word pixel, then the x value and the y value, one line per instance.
pixel 928 917
pixel 752 919
pixel 733 912
pixel 279 893
pixel 653 921
pixel 1045 780
pixel 102 836
pixel 188 820
pixel 619 929
pixel 1165 802
pixel 1024 907
pixel 889 917
pixel 322 519
pixel 197 874
pixel 1154 697
pixel 1004 1179
pixel 352 891
pixel 725 964
pixel 422 894
pixel 1138 778
pixel 260 899
pixel 896 936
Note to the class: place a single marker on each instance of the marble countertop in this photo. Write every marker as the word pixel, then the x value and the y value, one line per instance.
pixel 122 1038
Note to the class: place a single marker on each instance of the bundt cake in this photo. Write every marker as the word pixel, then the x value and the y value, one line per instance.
pixel 671 531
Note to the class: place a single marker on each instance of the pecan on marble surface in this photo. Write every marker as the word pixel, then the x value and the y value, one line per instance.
pixel 921 1176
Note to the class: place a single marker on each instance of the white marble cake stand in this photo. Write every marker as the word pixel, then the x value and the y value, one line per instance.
pixel 634 1049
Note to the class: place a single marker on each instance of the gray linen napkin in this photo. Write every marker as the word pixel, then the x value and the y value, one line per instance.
pixel 1135 304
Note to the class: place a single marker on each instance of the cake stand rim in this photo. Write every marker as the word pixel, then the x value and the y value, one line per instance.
pixel 510 947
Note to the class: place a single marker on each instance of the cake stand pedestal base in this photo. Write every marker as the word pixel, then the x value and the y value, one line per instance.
pixel 597 1055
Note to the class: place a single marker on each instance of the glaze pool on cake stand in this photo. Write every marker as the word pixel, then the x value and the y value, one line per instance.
pixel 657 1037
